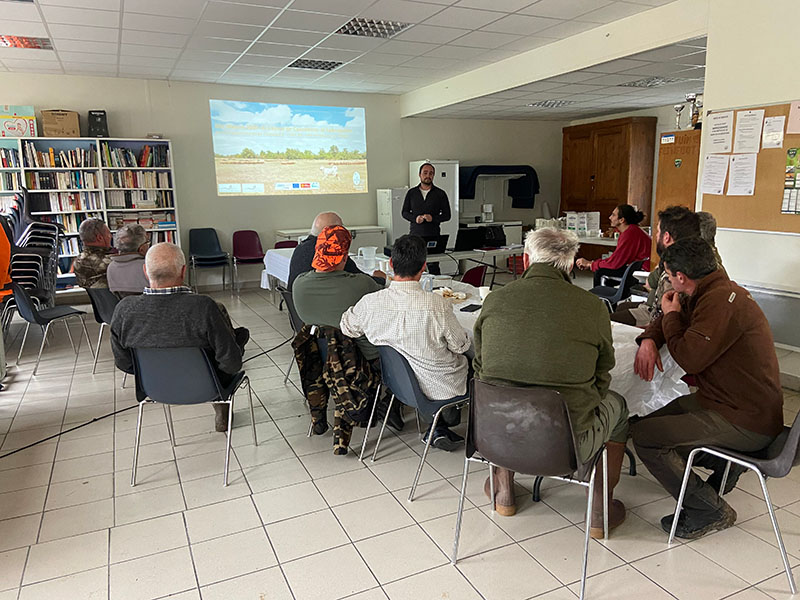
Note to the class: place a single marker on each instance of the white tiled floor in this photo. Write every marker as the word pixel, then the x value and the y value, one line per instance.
pixel 297 522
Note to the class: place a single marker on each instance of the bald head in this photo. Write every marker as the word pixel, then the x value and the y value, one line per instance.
pixel 164 265
pixel 323 220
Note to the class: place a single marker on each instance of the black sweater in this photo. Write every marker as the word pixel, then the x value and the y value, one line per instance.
pixel 435 204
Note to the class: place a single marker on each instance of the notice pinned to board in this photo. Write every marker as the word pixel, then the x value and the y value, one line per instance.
pixel 793 125
pixel 719 131
pixel 715 170
pixel 747 138
pixel 743 175
pixel 772 136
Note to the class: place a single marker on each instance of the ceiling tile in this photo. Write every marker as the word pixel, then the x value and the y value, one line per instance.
pixel 615 66
pixel 81 16
pixel 407 48
pixel 27 28
pixel 188 63
pixel 379 58
pixel 80 32
pixel 573 77
pixel 20 11
pixel 458 52
pixel 147 61
pixel 292 36
pixel 430 34
pixel 285 50
pixel 157 23
pixel 264 61
pixel 563 9
pixel 613 12
pixel 465 18
pixel 81 68
pixel 230 31
pixel 486 39
pixel 85 46
pixel 351 42
pixel 262 70
pixel 363 69
pixel 613 79
pixel 90 57
pixel 226 12
pixel 308 21
pixel 99 4
pixel 336 7
pixel 153 51
pixel 170 40
pixel 537 86
pixel 521 25
pixel 499 5
pixel 430 62
pixel 144 71
pixel 188 9
pixel 27 54
pixel 402 10
pixel 665 53
pixel 213 43
pixel 331 54
pixel 301 73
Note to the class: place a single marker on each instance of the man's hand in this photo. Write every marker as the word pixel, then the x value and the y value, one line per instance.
pixel 428 218
pixel 582 263
pixel 420 219
pixel 647 358
pixel 379 273
pixel 670 302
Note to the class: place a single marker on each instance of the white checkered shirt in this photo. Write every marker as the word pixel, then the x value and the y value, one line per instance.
pixel 422 327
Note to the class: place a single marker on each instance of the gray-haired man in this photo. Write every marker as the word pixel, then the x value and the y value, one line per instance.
pixel 126 272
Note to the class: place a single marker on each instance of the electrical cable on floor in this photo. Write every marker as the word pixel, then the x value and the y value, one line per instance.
pixel 60 433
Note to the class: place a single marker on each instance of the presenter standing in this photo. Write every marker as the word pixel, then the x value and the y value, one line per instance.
pixel 426 207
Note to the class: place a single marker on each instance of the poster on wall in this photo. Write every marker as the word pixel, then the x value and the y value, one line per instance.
pixel 791 182
pixel 747 138
pixel 719 132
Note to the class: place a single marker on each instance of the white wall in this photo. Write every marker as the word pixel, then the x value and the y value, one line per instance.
pixel 745 66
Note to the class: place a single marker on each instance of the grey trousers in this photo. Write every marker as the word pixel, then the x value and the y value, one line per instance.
pixel 664 439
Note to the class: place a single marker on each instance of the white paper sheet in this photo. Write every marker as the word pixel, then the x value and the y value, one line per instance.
pixel 742 181
pixel 793 126
pixel 748 131
pixel 715 169
pixel 719 131
pixel 772 136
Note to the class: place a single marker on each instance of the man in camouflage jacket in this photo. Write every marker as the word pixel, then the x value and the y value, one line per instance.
pixel 90 266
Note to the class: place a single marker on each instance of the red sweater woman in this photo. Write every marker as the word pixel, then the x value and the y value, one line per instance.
pixel 633 244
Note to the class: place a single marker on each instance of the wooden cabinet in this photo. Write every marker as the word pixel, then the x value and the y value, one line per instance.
pixel 608 163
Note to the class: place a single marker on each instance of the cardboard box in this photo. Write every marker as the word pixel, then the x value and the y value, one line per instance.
pixel 17 121
pixel 60 123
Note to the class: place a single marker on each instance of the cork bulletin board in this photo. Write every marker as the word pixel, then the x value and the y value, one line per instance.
pixel 761 211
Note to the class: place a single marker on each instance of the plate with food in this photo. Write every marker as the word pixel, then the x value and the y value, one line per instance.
pixel 446 292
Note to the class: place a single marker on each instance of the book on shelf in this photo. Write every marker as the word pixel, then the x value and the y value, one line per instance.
pixel 9 158
pixel 139 199
pixel 9 181
pixel 149 156
pixel 136 179
pixel 64 201
pixel 162 236
pixel 77 158
pixel 69 246
pixel 60 180
pixel 70 222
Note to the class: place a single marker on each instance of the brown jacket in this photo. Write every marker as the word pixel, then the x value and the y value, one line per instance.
pixel 722 337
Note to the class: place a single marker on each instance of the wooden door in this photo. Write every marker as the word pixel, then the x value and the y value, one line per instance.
pixel 678 166
pixel 611 150
pixel 577 168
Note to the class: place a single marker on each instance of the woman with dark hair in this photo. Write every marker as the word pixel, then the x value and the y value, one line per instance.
pixel 634 244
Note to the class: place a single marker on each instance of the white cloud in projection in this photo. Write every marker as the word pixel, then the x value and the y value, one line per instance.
pixel 278 127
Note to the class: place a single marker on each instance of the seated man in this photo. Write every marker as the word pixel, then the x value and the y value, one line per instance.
pixel 169 315
pixel 720 335
pixel 125 273
pixel 541 330
pixel 91 264
pixel 321 296
pixel 304 253
pixel 422 327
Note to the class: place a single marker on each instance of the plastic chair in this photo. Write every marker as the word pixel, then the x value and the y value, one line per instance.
pixel 286 244
pixel 206 252
pixel 44 318
pixel 527 430
pixel 475 276
pixel 246 249
pixel 398 376
pixel 184 376
pixel 103 304
pixel 774 461
pixel 294 321
pixel 613 295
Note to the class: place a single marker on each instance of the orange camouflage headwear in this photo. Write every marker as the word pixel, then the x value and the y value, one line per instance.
pixel 331 249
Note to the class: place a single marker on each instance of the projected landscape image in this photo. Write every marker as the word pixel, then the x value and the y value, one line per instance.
pixel 274 149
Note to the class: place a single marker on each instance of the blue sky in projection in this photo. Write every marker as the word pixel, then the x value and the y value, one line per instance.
pixel 276 127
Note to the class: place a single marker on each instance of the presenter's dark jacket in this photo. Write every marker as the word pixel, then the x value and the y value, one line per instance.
pixel 435 204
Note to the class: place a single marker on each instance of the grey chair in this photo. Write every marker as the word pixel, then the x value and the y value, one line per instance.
pixel 527 430
pixel 398 376
pixel 181 376
pixel 614 295
pixel 774 461
pixel 295 321
pixel 103 304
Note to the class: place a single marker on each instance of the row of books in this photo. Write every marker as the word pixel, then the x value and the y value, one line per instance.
pixel 9 158
pixel 162 236
pixel 61 180
pixel 60 201
pixel 136 179
pixel 138 199
pixel 9 181
pixel 71 222
pixel 7 203
pixel 149 156
pixel 69 246
pixel 148 220
pixel 79 157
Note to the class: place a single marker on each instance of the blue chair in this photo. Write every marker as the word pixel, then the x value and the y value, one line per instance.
pixel 206 252
pixel 103 304
pixel 398 376
pixel 184 376
pixel 614 295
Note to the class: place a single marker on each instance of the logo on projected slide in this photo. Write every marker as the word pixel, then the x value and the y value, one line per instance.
pixel 356 178
pixel 297 186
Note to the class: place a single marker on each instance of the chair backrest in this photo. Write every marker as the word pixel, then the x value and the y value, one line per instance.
pixel 294 319
pixel 204 241
pixel 25 306
pixel 176 375
pixel 399 377
pixel 526 430
pixel 475 276
pixel 628 281
pixel 784 452
pixel 246 244
pixel 103 304
pixel 286 244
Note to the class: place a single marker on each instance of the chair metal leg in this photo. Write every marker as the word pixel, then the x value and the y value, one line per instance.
pixel 587 526
pixel 252 412
pixel 632 459
pixel 679 505
pixel 424 454
pixel 454 556
pixel 784 558
pixel 97 350
pixel 537 488
pixel 235 284
pixel 492 499
pixel 69 335
pixel 419 427
pixel 369 423
pixel 289 370
pixel 136 444
pixel 86 334
pixel 124 379
pixel 228 443
pixel 41 347
pixel 725 477
pixel 310 428
pixel 383 427
pixel 22 345
pixel 170 428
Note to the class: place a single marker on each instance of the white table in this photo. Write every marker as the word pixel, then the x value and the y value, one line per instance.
pixel 276 263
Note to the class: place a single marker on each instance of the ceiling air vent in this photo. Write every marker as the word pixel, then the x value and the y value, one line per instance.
pixel 20 41
pixel 315 65
pixel 373 28
pixel 550 103
pixel 651 82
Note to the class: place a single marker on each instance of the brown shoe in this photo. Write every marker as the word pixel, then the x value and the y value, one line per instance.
pixel 221 418
pixel 616 509
pixel 505 503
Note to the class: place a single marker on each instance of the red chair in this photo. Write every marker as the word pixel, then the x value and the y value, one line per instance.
pixel 286 244
pixel 246 249
pixel 475 276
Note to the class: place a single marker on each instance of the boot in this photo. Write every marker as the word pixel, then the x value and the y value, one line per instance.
pixel 221 417
pixel 616 509
pixel 505 503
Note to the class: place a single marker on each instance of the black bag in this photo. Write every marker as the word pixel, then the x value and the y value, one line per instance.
pixel 495 237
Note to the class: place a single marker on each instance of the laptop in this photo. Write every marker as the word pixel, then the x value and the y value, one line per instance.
pixel 470 238
pixel 436 244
